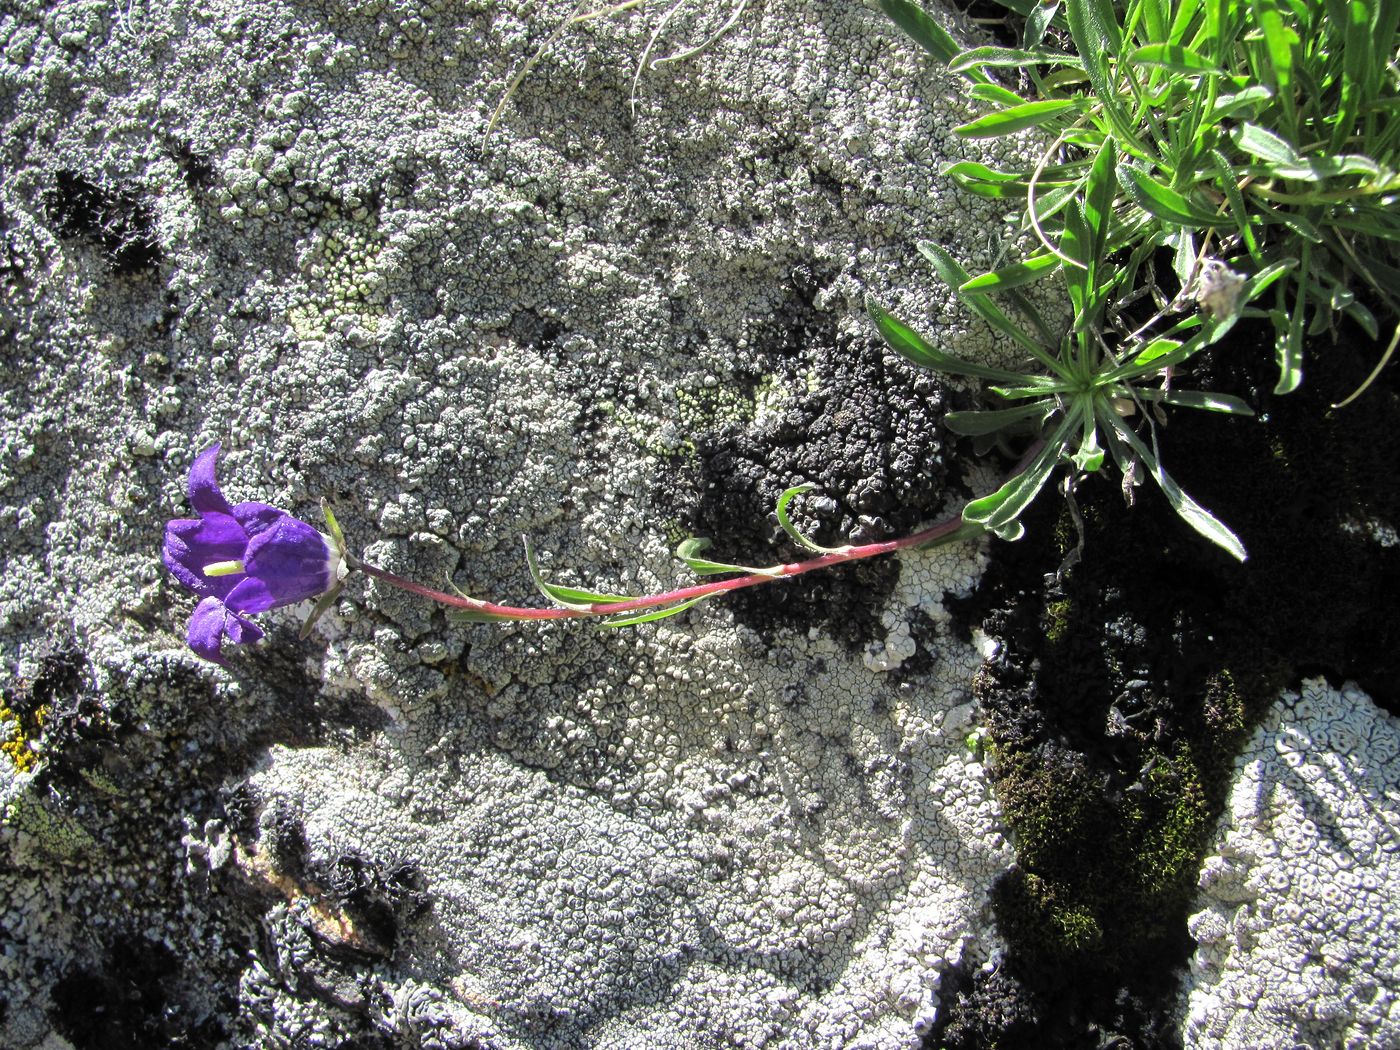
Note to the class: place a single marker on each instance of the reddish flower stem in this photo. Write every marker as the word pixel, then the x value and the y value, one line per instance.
pixel 947 531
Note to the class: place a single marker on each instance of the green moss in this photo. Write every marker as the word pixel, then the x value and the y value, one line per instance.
pixel 1078 930
pixel 1171 822
pixel 1041 804
pixel 1045 920
pixel 1057 614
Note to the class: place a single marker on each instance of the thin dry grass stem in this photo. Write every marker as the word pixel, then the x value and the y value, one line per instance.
pixel 525 70
pixel 1385 359
pixel 607 12
pixel 709 41
pixel 647 62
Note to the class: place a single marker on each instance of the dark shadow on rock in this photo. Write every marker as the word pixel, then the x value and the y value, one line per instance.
pixel 853 420
pixel 1122 693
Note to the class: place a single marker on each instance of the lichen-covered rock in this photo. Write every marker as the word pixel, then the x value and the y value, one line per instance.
pixel 279 225
pixel 773 844
pixel 1298 940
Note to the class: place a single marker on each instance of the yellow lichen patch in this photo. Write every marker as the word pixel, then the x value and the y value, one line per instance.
pixel 702 407
pixel 342 266
pixel 18 734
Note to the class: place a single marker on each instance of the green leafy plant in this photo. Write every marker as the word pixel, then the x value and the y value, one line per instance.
pixel 1253 131
pixel 1081 401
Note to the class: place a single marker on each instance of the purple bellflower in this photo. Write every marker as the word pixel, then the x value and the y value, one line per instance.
pixel 244 558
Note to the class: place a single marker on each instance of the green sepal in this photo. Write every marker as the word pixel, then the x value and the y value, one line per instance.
pixel 320 609
pixel 333 526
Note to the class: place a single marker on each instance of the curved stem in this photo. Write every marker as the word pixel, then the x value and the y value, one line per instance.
pixel 946 531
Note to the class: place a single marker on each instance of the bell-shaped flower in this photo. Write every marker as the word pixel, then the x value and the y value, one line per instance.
pixel 240 559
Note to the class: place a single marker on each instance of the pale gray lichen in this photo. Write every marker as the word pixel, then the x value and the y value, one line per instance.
pixel 332 280
pixel 1298 941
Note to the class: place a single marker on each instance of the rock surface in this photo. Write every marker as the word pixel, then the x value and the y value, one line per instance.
pixel 1297 931
pixel 275 225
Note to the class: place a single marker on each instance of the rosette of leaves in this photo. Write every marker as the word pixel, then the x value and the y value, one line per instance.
pixel 1251 130
pixel 1090 398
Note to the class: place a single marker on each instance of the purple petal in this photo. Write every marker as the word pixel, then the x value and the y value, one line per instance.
pixel 205 496
pixel 193 543
pixel 292 562
pixel 211 623
pixel 251 595
pixel 257 517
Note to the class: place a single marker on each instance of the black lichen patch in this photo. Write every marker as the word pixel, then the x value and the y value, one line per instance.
pixel 982 1009
pixel 863 427
pixel 115 219
pixel 131 1003
pixel 195 167
pixel 377 899
pixel 1122 693
pixel 282 834
pixel 61 720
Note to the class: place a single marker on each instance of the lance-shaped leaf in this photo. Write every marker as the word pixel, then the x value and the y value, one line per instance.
pixel 1009 56
pixel 913 347
pixel 977 423
pixel 925 32
pixel 1176 58
pixel 794 533
pixel 1089 457
pixel 1186 508
pixel 689 552
pixel 1249 99
pixel 1159 199
pixel 1099 192
pixel 1036 386
pixel 629 619
pixel 567 597
pixel 1207 400
pixel 1014 275
pixel 1016 118
pixel 1003 506
pixel 1289 345
pixel 954 276
pixel 1038 20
